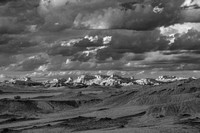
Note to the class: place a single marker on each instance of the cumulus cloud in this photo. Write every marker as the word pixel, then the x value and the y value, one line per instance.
pixel 191 11
pixel 191 4
pixel 127 49
pixel 175 32
pixel 188 41
pixel 116 14
pixel 55 15
pixel 76 65
pixel 52 15
pixel 10 25
pixel 140 34
pixel 29 64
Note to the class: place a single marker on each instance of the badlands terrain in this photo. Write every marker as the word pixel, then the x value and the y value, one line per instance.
pixel 100 104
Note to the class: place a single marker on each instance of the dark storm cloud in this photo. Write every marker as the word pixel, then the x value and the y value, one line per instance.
pixel 172 60
pixel 52 15
pixel 64 51
pixel 29 27
pixel 14 44
pixel 17 15
pixel 188 41
pixel 122 42
pixel 127 50
pixel 6 60
pixel 115 14
pixel 10 25
pixel 137 42
pixel 189 58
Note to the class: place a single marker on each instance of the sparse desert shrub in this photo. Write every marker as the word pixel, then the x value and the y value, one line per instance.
pixel 106 119
pixel 5 130
pixel 122 126
pixel 17 97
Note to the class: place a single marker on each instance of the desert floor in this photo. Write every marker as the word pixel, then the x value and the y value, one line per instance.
pixel 167 108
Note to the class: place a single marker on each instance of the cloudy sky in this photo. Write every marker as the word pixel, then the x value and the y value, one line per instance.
pixel 61 35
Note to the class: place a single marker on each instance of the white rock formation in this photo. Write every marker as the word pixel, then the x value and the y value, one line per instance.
pixel 146 81
pixel 166 78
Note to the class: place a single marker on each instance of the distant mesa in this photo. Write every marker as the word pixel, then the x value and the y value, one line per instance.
pixel 96 80
pixel 169 78
pixel 25 81
pixel 147 81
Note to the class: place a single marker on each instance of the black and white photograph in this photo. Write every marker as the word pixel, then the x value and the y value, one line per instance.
pixel 99 66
